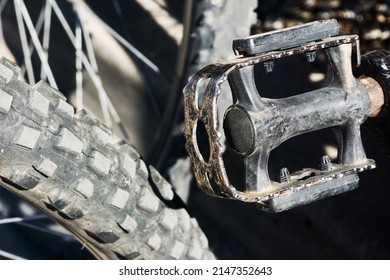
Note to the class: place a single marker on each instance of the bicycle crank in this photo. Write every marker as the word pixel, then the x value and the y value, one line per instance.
pixel 254 126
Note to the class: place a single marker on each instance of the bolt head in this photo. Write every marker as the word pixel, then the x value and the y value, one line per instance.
pixel 284 175
pixel 326 163
pixel 268 66
pixel 311 56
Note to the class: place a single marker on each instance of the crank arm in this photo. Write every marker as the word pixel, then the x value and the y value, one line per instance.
pixel 254 126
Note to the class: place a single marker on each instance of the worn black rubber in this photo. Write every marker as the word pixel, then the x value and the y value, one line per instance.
pixel 62 163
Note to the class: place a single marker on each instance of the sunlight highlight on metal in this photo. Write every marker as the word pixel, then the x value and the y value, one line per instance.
pixel 38 28
pixel 131 48
pixel 92 59
pixel 79 65
pixel 149 91
pixel 46 33
pixel 10 256
pixel 22 219
pixel 23 39
pixel 26 16
pixel 95 78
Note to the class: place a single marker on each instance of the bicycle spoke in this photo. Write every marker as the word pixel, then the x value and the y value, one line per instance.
pixel 23 10
pixel 2 5
pixel 121 17
pixel 95 78
pixel 66 236
pixel 172 27
pixel 92 59
pixel 10 256
pixel 22 219
pixel 169 118
pixel 132 49
pixel 148 89
pixel 161 3
pixel 79 66
pixel 136 53
pixel 46 33
pixel 25 48
pixel 38 28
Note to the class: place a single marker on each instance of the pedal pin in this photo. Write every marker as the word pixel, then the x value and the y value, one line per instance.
pixel 268 66
pixel 311 56
pixel 325 164
pixel 284 175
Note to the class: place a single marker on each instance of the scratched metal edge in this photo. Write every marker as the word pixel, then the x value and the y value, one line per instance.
pixel 285 38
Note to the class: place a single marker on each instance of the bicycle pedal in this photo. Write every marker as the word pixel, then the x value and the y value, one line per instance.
pixel 254 126
pixel 286 38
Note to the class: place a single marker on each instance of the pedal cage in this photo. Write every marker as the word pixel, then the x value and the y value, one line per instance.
pixel 266 123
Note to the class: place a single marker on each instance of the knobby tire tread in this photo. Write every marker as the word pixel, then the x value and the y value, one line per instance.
pixel 62 163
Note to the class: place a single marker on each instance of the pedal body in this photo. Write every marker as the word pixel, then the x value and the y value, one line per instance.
pixel 254 126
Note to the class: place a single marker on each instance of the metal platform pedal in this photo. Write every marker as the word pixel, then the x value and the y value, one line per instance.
pixel 254 126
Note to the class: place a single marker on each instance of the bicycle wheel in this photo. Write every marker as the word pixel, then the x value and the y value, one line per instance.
pixel 63 164
pixel 207 33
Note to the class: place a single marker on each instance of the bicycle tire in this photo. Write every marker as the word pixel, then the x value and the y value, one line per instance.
pixel 103 194
pixel 207 37
pixel 208 32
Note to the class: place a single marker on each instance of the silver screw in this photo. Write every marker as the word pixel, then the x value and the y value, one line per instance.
pixel 325 164
pixel 284 175
pixel 311 56
pixel 268 66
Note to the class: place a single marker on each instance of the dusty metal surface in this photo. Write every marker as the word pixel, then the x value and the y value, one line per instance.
pixel 263 124
pixel 286 38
